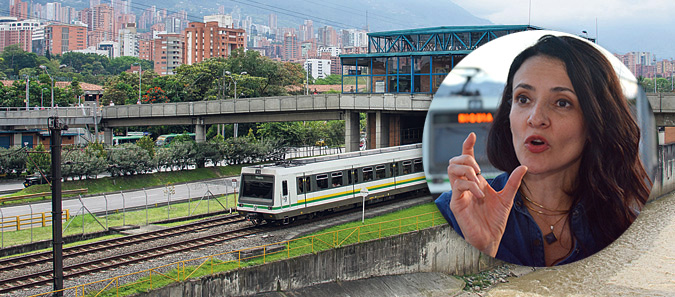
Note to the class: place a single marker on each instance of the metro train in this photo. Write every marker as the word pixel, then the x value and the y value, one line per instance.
pixel 285 191
pixel 458 109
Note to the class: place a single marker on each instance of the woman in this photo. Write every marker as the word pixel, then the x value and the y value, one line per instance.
pixel 565 134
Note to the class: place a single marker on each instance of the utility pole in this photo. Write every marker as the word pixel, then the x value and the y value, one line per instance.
pixel 55 127
pixel 27 91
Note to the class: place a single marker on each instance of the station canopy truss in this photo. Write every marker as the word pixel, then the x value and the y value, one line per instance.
pixel 416 60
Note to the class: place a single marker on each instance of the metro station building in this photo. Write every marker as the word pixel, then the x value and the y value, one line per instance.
pixel 411 62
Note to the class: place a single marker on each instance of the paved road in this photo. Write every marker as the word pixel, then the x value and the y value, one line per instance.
pixel 140 198
pixel 10 186
pixel 130 199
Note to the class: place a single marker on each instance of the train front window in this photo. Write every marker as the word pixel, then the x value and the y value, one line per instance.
pixel 258 186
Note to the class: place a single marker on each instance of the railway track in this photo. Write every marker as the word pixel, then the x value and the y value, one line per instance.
pixel 84 267
pixel 12 282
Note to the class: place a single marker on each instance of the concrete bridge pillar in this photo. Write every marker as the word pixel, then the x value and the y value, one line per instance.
pixel 108 136
pixel 370 130
pixel 17 139
pixel 352 135
pixel 381 130
pixel 200 133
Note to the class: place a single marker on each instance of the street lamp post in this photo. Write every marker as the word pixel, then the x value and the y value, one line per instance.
pixel 27 91
pixel 140 73
pixel 43 67
pixel 229 74
pixel 42 98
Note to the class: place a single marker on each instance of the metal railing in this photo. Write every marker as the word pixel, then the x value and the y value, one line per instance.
pixel 146 280
pixel 39 219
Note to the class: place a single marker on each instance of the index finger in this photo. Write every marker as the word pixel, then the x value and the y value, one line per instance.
pixel 469 142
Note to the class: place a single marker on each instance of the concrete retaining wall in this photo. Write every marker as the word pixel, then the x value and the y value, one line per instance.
pixel 437 249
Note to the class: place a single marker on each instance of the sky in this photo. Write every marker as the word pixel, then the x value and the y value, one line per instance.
pixel 622 25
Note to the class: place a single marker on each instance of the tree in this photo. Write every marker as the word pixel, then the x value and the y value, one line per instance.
pixel 82 163
pixel 202 80
pixel 275 75
pixel 12 160
pixel 333 79
pixel 207 152
pixel 182 151
pixel 147 144
pixel 128 159
pixel 15 58
pixel 39 161
pixel 117 93
pixel 155 95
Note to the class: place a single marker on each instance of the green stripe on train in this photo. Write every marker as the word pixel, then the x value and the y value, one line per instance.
pixel 335 195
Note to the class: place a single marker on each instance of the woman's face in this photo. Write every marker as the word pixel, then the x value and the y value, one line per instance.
pixel 546 119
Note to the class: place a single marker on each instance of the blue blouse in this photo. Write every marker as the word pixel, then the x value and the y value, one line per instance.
pixel 522 241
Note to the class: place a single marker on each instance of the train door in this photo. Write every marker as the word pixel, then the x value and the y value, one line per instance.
pixel 352 179
pixel 304 187
pixel 393 170
pixel 284 194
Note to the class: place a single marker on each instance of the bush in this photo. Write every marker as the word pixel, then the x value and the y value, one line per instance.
pixel 12 160
pixel 82 163
pixel 128 159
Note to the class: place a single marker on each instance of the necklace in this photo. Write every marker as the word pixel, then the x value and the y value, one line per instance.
pixel 554 211
pixel 550 237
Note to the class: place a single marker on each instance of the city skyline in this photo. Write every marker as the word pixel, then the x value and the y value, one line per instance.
pixel 623 26
pixel 267 35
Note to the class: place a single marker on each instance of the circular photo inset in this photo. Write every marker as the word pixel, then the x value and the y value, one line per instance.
pixel 541 148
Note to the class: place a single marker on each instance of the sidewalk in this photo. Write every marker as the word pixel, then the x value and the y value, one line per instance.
pixel 639 263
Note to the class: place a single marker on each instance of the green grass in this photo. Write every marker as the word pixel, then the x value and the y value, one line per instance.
pixel 125 183
pixel 75 225
pixel 414 218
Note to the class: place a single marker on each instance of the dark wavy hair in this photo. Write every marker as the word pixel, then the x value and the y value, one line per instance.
pixel 611 182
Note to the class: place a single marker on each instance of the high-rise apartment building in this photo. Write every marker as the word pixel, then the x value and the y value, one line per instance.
pixel 146 48
pixel 291 50
pixel 327 36
pixel 64 38
pixel 272 21
pixel 331 53
pixel 306 31
pixel 354 37
pixel 18 9
pixel 101 25
pixel 224 20
pixel 13 31
pixel 53 11
pixel 208 40
pixel 318 68
pixel 128 39
pixel 168 53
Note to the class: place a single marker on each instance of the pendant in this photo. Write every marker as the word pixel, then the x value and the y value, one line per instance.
pixel 550 238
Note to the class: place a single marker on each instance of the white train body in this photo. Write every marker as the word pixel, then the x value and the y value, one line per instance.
pixel 280 192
